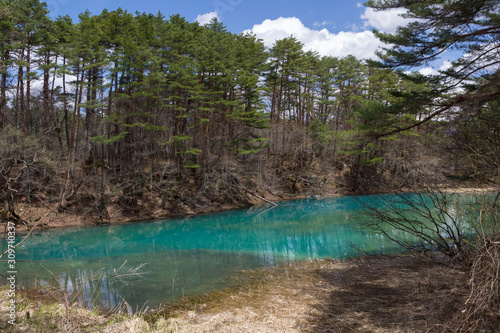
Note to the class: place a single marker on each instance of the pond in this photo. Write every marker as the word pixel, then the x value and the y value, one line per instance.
pixel 149 263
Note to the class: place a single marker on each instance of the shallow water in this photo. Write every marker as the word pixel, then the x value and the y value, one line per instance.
pixel 182 257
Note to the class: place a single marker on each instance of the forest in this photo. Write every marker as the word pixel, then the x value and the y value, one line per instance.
pixel 139 110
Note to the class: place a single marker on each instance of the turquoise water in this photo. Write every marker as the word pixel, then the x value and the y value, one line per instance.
pixel 189 256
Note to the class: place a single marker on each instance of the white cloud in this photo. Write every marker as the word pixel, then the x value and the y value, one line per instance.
pixel 359 44
pixel 446 65
pixel 386 21
pixel 322 24
pixel 428 71
pixel 206 18
pixel 431 71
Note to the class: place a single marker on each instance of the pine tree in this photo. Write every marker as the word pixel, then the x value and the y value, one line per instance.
pixel 64 30
pixel 31 27
pixel 471 27
pixel 6 42
pixel 282 82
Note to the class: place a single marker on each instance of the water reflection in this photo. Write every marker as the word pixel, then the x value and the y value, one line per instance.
pixel 193 255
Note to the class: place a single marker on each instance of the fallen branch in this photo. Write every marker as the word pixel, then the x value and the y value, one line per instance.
pixel 261 198
pixel 26 236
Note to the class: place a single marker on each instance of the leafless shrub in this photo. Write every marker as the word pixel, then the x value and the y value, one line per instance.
pixel 482 312
pixel 482 308
pixel 464 228
pixel 222 180
pixel 426 220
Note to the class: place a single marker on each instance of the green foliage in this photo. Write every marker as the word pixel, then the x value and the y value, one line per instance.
pixel 319 132
pixel 192 151
pixel 246 146
pixel 104 140
pixel 191 166
pixel 179 138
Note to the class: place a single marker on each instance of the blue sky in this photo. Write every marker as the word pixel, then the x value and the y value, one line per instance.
pixel 237 15
pixel 335 27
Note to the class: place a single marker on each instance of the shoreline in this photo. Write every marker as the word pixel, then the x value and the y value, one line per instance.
pixel 399 293
pixel 67 220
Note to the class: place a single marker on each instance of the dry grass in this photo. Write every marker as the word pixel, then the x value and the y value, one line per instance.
pixel 373 294
pixel 38 312
pixel 390 294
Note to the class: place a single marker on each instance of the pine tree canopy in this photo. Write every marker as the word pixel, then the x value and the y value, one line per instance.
pixel 471 27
